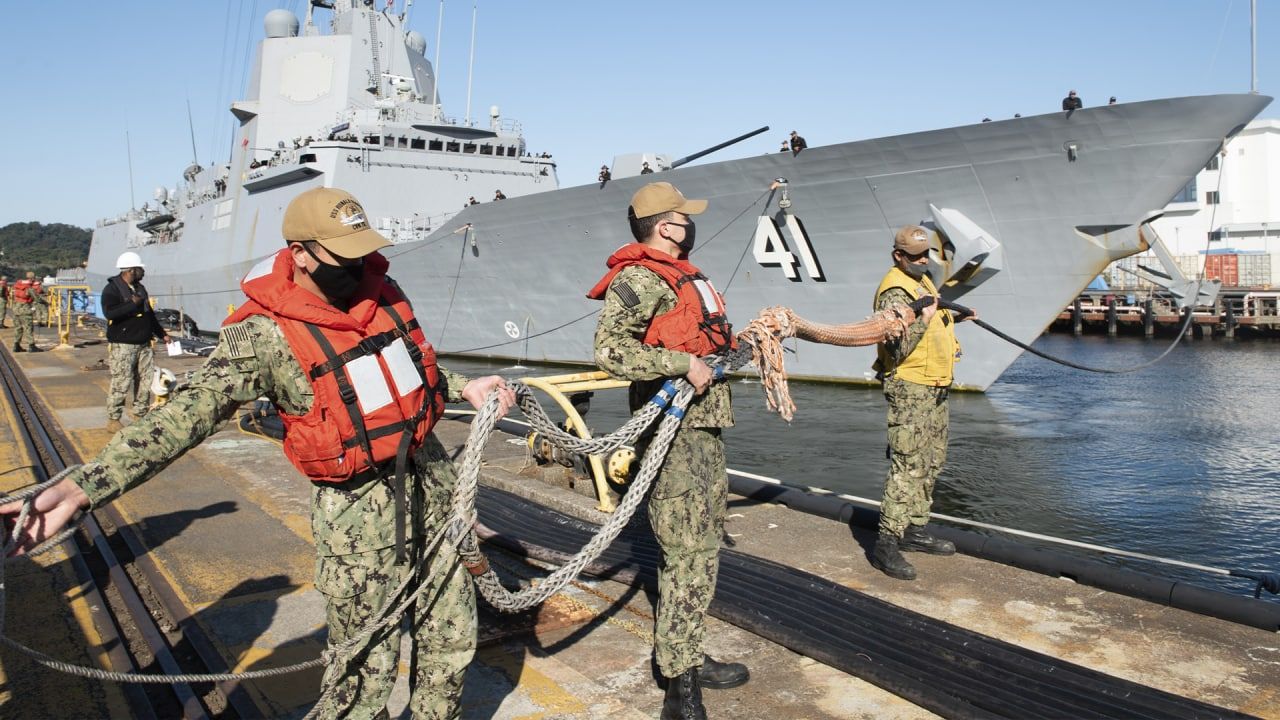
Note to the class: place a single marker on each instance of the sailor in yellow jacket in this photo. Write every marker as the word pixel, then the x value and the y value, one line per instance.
pixel 916 370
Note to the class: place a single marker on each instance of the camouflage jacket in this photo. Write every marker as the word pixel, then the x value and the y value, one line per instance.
pixel 346 518
pixel 620 352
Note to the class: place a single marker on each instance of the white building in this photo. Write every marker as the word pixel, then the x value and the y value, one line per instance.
pixel 1232 205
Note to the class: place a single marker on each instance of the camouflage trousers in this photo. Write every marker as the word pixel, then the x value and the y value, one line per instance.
pixel 4 307
pixel 686 512
pixel 131 369
pixel 24 324
pixel 442 624
pixel 918 423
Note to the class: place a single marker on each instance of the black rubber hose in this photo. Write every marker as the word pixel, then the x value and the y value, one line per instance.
pixel 967 312
pixel 1055 563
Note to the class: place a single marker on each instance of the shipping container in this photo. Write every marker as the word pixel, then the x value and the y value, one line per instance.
pixel 1223 267
pixel 1190 265
pixel 1255 270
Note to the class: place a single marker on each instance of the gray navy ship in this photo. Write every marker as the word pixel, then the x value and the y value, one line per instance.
pixel 1023 213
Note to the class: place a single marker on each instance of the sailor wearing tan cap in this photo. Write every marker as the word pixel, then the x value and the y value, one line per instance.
pixel 357 424
pixel 661 316
pixel 916 370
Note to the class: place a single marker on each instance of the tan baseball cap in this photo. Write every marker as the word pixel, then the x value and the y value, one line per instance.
pixel 911 239
pixel 661 197
pixel 333 218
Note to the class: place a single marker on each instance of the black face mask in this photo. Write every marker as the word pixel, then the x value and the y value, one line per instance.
pixel 690 232
pixel 338 282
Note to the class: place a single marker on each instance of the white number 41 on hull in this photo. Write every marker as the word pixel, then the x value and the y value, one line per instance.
pixel 771 249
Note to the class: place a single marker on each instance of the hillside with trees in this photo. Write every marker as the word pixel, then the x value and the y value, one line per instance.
pixel 42 248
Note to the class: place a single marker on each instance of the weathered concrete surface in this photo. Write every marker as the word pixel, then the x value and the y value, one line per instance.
pixel 47 610
pixel 227 524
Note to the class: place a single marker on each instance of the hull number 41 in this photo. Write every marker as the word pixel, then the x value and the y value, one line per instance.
pixel 771 250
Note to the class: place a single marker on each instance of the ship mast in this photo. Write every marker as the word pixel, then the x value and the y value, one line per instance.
pixel 1253 46
pixel 471 63
pixel 435 82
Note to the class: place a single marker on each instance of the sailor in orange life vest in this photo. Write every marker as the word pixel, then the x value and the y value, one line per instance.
pixel 660 317
pixel 332 341
pixel 28 296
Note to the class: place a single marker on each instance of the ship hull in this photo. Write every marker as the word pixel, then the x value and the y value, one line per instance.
pixel 1063 195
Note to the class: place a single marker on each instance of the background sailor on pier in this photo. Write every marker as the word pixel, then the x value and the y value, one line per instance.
pixel 28 297
pixel 328 286
pixel 131 325
pixel 660 316
pixel 916 370
pixel 4 297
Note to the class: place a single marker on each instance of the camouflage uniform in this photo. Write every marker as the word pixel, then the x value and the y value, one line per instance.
pixel 353 522
pixel 4 301
pixel 24 319
pixel 687 504
pixel 131 368
pixel 918 426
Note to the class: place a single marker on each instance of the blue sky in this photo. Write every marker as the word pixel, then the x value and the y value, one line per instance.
pixel 589 80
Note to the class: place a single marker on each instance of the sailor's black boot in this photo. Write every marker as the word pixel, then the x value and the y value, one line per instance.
pixel 917 539
pixel 33 348
pixel 18 348
pixel 888 560
pixel 684 698
pixel 721 676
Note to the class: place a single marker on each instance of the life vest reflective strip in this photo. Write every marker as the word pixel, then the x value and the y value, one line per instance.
pixel 933 360
pixel 698 324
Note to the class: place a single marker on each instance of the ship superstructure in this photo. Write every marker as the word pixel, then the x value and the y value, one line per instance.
pixel 1023 212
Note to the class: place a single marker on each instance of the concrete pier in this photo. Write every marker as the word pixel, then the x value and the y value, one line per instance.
pixel 228 525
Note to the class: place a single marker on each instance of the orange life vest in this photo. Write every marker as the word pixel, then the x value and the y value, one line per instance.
pixel 25 291
pixel 697 324
pixel 377 387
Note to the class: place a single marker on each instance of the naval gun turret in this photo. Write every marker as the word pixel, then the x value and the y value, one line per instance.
pixel 633 164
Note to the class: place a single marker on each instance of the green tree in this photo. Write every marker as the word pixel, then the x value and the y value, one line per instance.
pixel 42 248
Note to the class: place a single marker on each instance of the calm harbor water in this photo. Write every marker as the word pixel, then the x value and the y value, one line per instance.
pixel 1180 460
